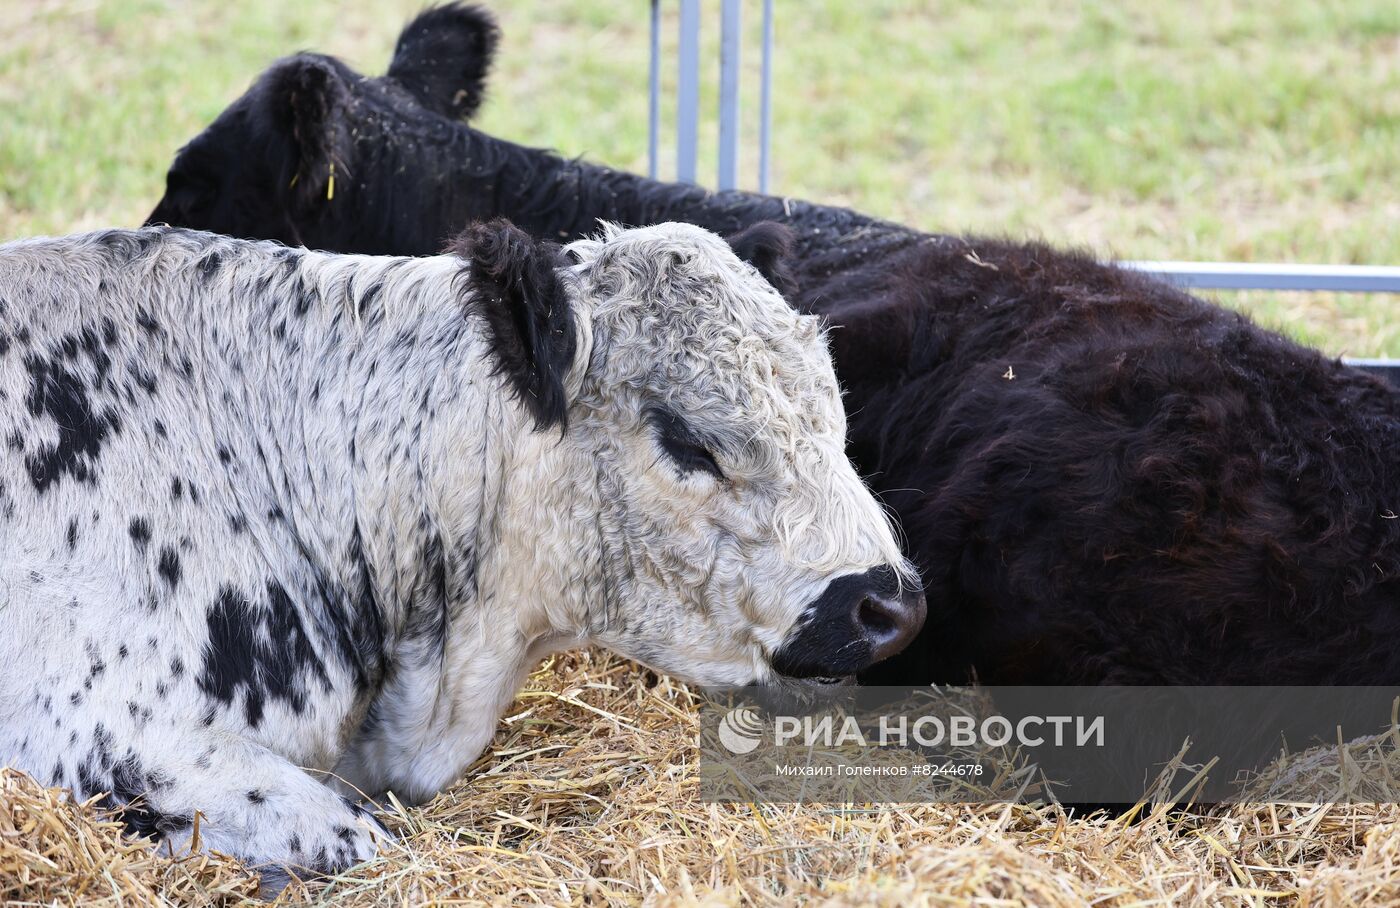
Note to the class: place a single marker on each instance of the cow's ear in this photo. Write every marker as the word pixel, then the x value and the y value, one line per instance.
pixel 516 285
pixel 767 246
pixel 443 57
pixel 305 97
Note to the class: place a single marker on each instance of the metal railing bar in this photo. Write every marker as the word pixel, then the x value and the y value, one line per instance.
pixel 730 51
pixel 688 91
pixel 765 99
pixel 1250 276
pixel 654 93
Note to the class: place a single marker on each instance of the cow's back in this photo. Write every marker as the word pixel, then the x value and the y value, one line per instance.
pixel 149 494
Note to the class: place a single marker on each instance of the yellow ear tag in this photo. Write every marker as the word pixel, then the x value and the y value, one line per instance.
pixel 330 184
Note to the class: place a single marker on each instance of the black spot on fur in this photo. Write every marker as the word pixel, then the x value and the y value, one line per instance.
pixel 147 321
pixel 169 566
pixel 127 246
pixel 143 377
pixel 258 650
pixel 209 265
pixel 140 531
pixel 360 641
pixel 58 393
pixel 368 298
pixel 72 534
pixel 304 301
pixel 256 797
pixel 128 800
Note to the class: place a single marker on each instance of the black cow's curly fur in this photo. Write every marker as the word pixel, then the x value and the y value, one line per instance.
pixel 1102 479
pixel 442 57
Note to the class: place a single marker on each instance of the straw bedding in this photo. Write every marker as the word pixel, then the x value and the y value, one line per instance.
pixel 589 796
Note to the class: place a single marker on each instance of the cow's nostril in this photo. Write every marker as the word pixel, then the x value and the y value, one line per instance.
pixel 890 622
pixel 874 616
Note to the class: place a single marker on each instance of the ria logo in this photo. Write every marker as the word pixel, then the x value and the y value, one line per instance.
pixel 740 730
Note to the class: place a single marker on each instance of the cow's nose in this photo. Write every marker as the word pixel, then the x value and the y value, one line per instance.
pixel 859 620
pixel 890 620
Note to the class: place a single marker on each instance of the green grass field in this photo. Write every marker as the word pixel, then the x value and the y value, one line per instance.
pixel 1264 131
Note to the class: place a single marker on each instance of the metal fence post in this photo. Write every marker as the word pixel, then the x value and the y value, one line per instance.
pixel 765 103
pixel 654 92
pixel 730 51
pixel 688 91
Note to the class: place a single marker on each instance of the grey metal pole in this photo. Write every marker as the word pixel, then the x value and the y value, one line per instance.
pixel 730 50
pixel 765 102
pixel 1251 276
pixel 654 92
pixel 688 91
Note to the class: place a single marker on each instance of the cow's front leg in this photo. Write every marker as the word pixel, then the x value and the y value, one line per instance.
pixel 252 804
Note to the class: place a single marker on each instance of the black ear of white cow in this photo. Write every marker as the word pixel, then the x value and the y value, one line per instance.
pixel 514 283
pixel 767 246
pixel 306 94
pixel 443 56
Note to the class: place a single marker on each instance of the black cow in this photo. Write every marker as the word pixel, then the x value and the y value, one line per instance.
pixel 1101 478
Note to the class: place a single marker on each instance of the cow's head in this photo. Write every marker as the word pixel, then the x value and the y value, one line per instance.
pixel 691 421
pixel 302 156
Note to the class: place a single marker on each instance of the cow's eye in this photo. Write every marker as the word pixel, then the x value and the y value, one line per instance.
pixel 681 444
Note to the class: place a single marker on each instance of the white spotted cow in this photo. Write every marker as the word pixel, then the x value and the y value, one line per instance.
pixel 281 528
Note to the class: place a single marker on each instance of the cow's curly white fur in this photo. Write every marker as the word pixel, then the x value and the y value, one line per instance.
pixel 263 509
